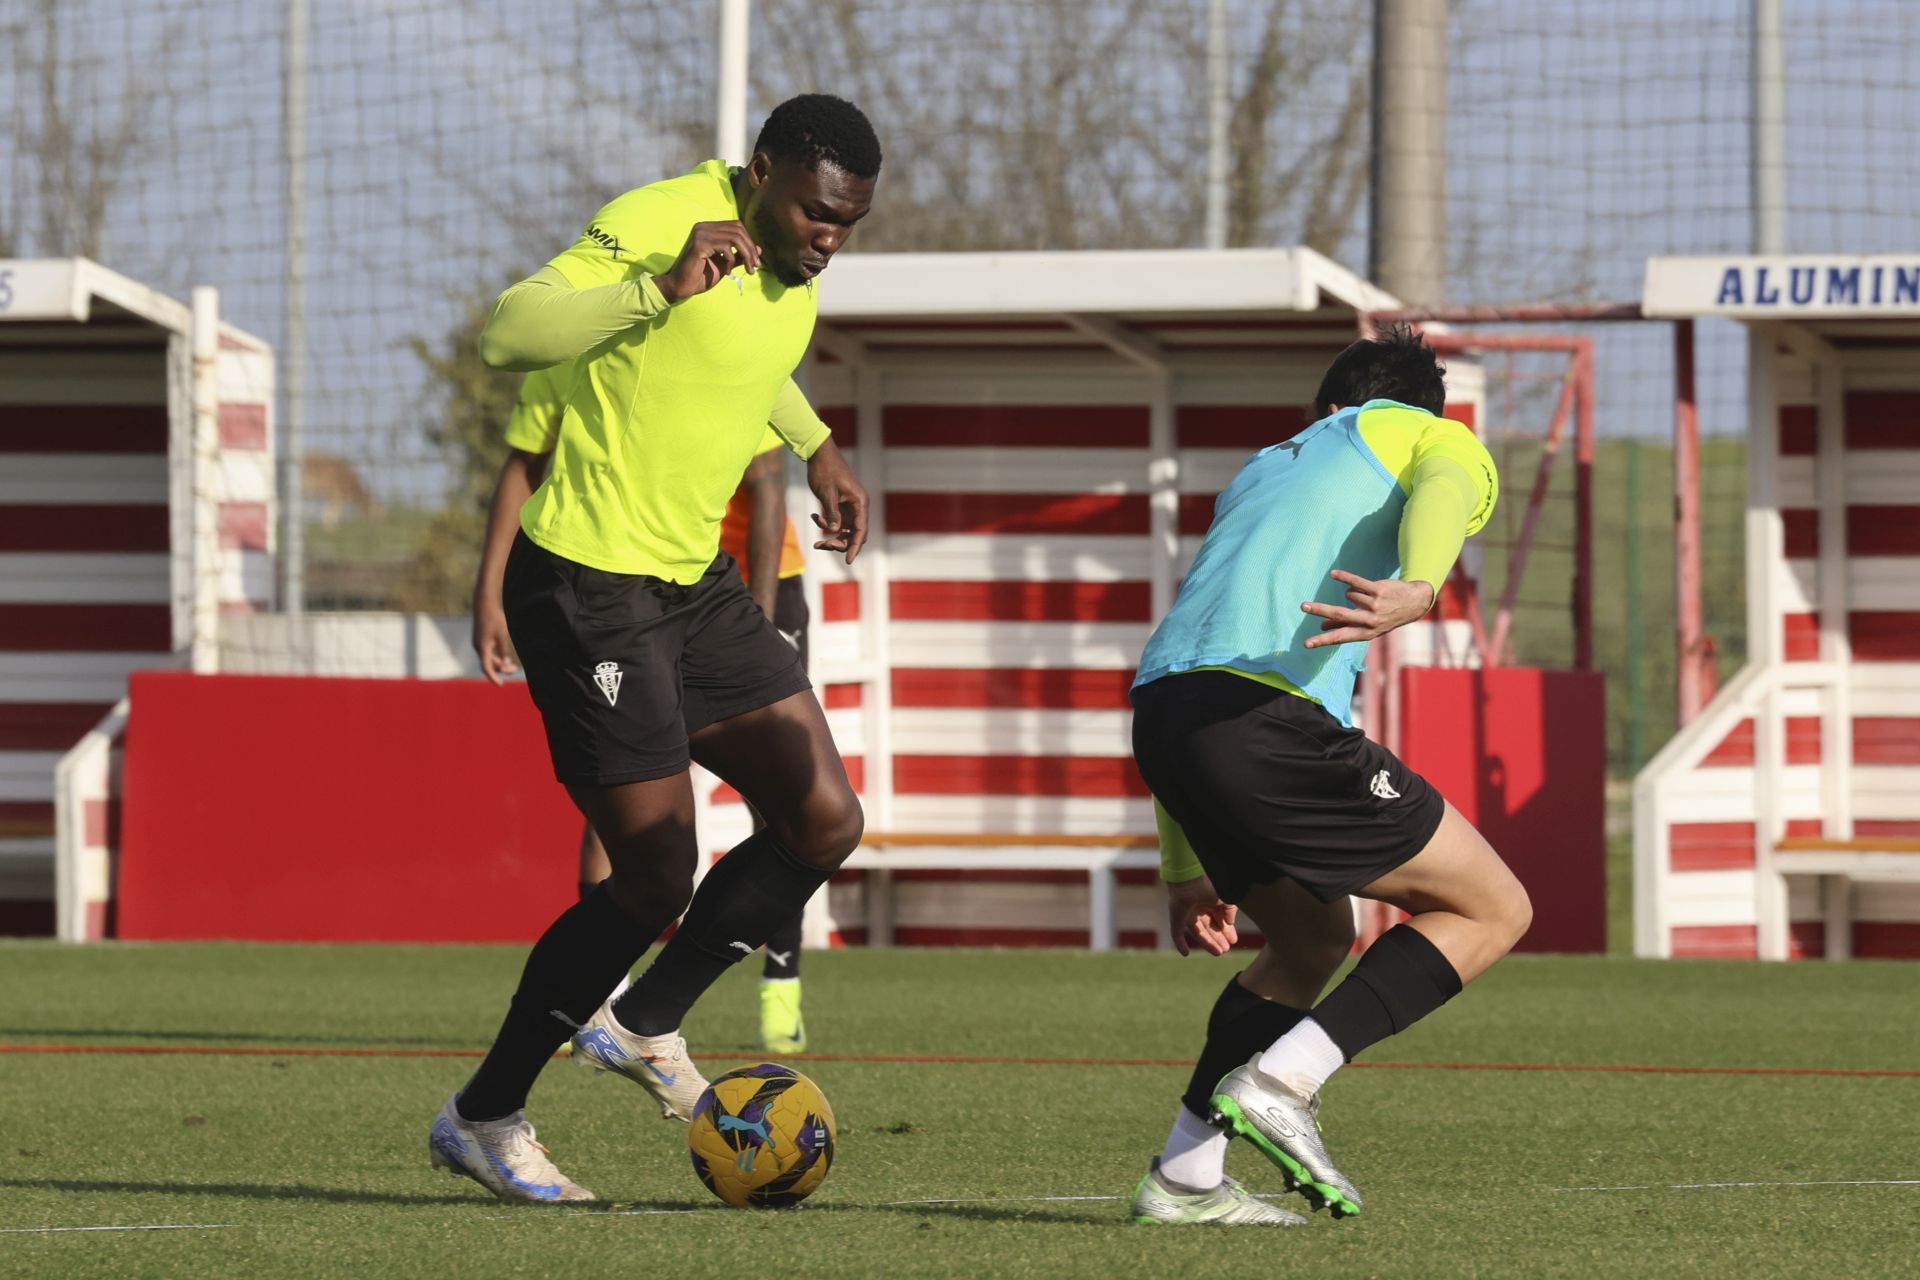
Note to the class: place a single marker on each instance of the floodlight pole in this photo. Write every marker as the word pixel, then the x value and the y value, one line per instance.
pixel 1769 137
pixel 730 132
pixel 293 341
pixel 1407 241
pixel 1219 118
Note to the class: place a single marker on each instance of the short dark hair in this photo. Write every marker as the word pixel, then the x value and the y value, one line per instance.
pixel 818 126
pixel 1397 365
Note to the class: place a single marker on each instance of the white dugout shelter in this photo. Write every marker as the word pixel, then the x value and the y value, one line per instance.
pixel 1043 435
pixel 136 508
pixel 1785 820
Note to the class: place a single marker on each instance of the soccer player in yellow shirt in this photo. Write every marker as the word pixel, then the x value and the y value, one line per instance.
pixel 687 304
pixel 761 539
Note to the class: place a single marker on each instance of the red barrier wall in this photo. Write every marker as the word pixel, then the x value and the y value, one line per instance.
pixel 1522 753
pixel 325 810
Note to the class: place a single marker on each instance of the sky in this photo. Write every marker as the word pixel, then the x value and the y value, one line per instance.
pixel 454 144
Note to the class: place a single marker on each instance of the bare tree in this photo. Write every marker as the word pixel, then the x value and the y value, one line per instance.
pixel 1070 124
pixel 73 139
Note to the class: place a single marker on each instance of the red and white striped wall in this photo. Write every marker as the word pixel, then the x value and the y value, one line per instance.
pixel 1038 495
pixel 101 485
pixel 1820 736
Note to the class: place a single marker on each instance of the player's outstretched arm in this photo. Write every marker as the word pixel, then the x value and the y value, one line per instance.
pixel 842 518
pixel 544 320
pixel 519 476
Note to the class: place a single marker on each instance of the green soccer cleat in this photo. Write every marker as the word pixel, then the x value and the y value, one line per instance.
pixel 1282 1123
pixel 1227 1205
pixel 782 1030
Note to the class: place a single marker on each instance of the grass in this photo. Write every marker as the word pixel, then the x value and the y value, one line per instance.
pixel 316 1165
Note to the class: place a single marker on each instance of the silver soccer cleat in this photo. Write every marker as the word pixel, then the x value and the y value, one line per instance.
pixel 1227 1205
pixel 1281 1122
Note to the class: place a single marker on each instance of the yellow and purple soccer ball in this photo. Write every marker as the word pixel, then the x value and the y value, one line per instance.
pixel 762 1137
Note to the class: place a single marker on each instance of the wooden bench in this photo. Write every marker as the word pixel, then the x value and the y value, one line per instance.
pixel 881 853
pixel 1837 864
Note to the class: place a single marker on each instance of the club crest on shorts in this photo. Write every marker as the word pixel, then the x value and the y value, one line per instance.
pixel 607 676
pixel 1383 788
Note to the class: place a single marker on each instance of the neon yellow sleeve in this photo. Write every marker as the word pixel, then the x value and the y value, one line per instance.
pixel 1451 496
pixel 535 424
pixel 1178 862
pixel 795 422
pixel 1433 527
pixel 544 320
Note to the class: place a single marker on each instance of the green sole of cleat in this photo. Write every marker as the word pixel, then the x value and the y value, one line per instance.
pixel 1326 1196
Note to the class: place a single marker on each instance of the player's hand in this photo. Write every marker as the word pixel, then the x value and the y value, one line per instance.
pixel 491 642
pixel 1197 918
pixel 1378 607
pixel 713 249
pixel 842 518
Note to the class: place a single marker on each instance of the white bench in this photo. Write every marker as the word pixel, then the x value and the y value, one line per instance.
pixel 1838 863
pixel 882 853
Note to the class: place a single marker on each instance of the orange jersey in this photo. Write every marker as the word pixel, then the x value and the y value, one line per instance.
pixel 733 525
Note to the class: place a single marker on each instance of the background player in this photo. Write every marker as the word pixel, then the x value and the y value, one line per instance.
pixel 692 300
pixel 1242 731
pixel 755 532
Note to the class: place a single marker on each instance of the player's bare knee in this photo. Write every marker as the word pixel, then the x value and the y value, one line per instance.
pixel 1512 913
pixel 828 831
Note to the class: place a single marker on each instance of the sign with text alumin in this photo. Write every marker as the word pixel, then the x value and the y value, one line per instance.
pixel 1785 287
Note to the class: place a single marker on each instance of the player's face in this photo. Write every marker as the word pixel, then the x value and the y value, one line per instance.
pixel 801 217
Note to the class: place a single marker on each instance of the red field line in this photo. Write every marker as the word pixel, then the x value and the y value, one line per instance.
pixel 252 1051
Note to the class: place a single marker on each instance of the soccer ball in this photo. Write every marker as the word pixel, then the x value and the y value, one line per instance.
pixel 762 1137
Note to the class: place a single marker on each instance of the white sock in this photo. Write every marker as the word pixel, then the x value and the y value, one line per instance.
pixel 1196 1153
pixel 1304 1052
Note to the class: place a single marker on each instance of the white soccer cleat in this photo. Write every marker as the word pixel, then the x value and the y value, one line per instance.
pixel 1227 1205
pixel 501 1155
pixel 658 1064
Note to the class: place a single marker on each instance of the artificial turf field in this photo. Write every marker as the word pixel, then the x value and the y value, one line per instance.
pixel 291 1164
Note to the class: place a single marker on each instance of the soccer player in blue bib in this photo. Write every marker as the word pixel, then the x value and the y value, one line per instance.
pixel 1271 802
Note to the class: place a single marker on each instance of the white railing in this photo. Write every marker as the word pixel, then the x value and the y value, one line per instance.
pixel 1753 694
pixel 83 864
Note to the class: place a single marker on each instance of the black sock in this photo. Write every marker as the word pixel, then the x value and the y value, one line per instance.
pixel 747 895
pixel 1241 1025
pixel 1401 979
pixel 577 961
pixel 783 951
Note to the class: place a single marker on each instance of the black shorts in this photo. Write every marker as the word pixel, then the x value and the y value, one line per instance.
pixel 790 615
pixel 625 668
pixel 1266 784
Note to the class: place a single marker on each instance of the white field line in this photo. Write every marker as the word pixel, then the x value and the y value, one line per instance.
pixel 1716 1186
pixel 155 1226
pixel 884 1204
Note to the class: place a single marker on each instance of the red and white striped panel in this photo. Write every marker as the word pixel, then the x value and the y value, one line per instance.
pixel 85 573
pixel 1017 554
pixel 243 482
pixel 95 551
pixel 1710 893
